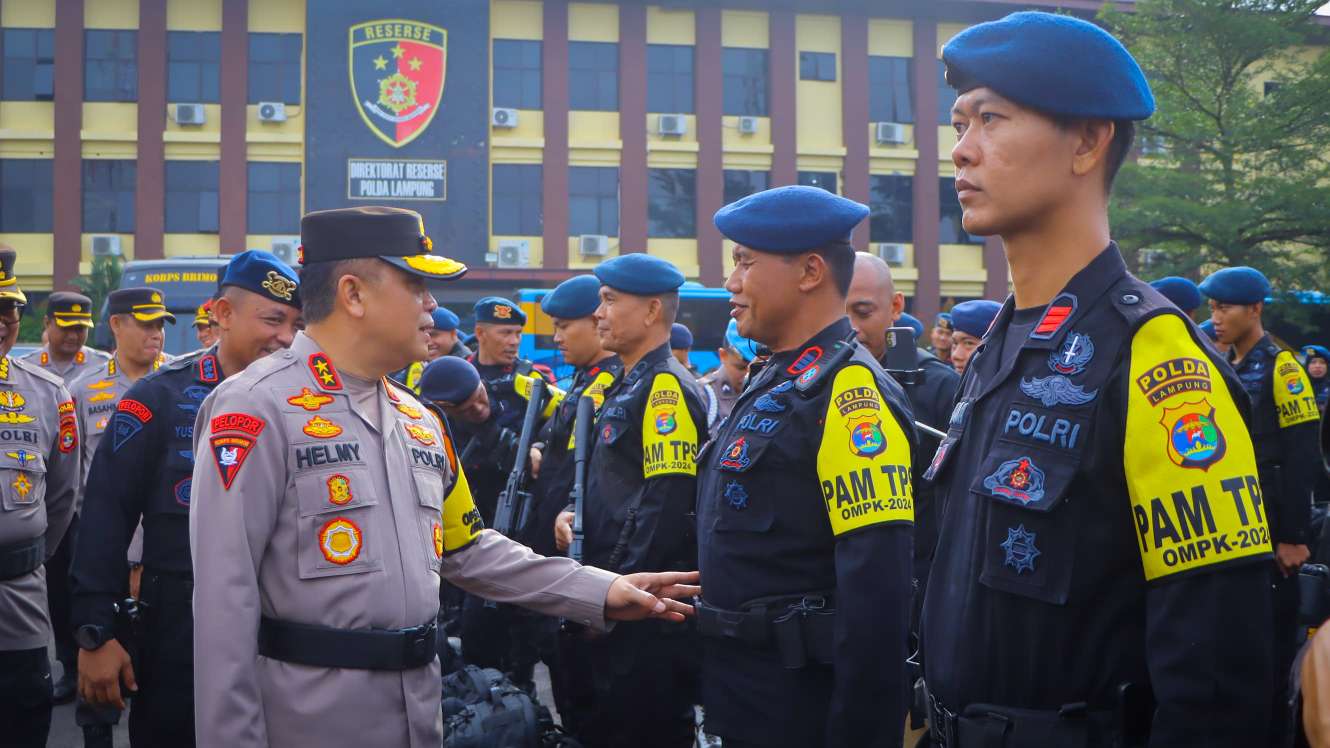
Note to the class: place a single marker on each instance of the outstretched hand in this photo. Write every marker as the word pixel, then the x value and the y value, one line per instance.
pixel 635 597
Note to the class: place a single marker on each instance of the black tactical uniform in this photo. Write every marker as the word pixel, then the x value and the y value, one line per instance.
pixel 141 471
pixel 931 395
pixel 488 463
pixel 638 516
pixel 804 512
pixel 1103 534
pixel 1283 429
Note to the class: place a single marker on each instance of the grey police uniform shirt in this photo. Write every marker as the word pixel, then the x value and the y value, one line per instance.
pixel 324 500
pixel 85 360
pixel 39 472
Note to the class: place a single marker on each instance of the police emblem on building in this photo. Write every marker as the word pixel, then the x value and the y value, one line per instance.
pixel 397 75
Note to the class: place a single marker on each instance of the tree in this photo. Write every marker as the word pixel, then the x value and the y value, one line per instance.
pixel 1236 161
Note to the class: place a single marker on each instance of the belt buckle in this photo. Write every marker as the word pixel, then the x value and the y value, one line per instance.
pixel 419 640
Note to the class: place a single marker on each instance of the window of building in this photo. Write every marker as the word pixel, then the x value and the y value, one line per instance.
pixel 890 96
pixel 891 200
pixel 517 74
pixel 824 179
pixel 593 76
pixel 25 195
pixel 273 202
pixel 191 197
pixel 110 65
pixel 817 66
pixel 950 230
pixel 672 203
pixel 740 184
pixel 517 207
pixel 946 95
pixel 108 196
pixel 593 200
pixel 29 65
pixel 670 78
pixel 274 68
pixel 193 66
pixel 745 81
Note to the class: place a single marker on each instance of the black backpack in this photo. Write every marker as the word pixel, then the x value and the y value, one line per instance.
pixel 483 709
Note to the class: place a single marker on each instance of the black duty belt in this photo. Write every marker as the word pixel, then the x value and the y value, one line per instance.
pixel 22 558
pixel 162 588
pixel 358 649
pixel 800 628
pixel 993 726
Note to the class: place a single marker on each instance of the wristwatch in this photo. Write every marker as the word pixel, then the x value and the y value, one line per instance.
pixel 91 636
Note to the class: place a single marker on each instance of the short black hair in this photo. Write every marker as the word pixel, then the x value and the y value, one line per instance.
pixel 669 305
pixel 839 257
pixel 318 284
pixel 1124 134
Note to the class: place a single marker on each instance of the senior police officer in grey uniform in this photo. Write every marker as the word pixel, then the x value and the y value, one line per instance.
pixel 68 323
pixel 39 472
pixel 805 498
pixel 1101 573
pixel 326 505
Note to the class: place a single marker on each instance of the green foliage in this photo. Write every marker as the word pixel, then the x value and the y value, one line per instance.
pixel 30 325
pixel 1244 167
pixel 104 278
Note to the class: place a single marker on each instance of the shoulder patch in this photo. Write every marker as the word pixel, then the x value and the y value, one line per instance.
pixel 1294 397
pixel 669 436
pixel 233 438
pixel 1189 462
pixel 863 460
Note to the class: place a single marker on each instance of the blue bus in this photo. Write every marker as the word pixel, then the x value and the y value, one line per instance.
pixel 705 311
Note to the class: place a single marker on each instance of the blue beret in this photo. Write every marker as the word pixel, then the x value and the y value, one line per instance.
pixel 745 347
pixel 1237 285
pixel 449 379
pixel 499 311
pixel 974 317
pixel 1208 328
pixel 1052 63
pixel 1182 292
pixel 262 273
pixel 1310 352
pixel 789 220
pixel 573 299
pixel 445 319
pixel 909 320
pixel 943 320
pixel 680 337
pixel 639 273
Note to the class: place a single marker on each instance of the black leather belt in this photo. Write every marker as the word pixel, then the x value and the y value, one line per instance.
pixel 358 649
pixel 799 628
pixel 22 558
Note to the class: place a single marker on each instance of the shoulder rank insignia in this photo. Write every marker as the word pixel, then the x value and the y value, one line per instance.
pixel 4 367
pixel 324 371
pixel 208 369
pixel 321 428
pixel 1020 548
pixel 309 400
pixel 340 541
pixel 1058 312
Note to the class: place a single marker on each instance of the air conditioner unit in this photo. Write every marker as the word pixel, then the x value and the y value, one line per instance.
pixel 272 111
pixel 892 133
pixel 671 124
pixel 514 253
pixel 105 245
pixel 748 125
pixel 287 249
pixel 505 118
pixel 188 114
pixel 892 254
pixel 593 245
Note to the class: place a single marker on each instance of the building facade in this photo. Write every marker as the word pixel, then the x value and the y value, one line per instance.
pixel 537 137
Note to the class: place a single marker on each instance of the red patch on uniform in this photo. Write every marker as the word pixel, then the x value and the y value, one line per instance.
pixel 236 422
pixel 69 435
pixel 66 408
pixel 324 372
pixel 810 356
pixel 134 408
pixel 230 451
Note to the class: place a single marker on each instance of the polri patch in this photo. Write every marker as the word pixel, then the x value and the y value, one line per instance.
pixel 1020 548
pixel 1074 355
pixel 340 541
pixel 736 456
pixel 1057 390
pixel 1019 481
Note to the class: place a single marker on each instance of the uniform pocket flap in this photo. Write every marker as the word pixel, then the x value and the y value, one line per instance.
pixel 1027 479
pixel 334 491
pixel 22 459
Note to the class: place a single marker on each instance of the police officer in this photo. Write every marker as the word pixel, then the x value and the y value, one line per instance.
pixel 141 472
pixel 452 384
pixel 204 329
pixel 1184 293
pixel 1103 524
pixel 639 510
pixel 723 385
pixel 970 320
pixel 940 337
pixel 138 343
pixel 39 469
pixel 681 344
pixel 1207 328
pixel 804 498
pixel 326 504
pixel 1317 361
pixel 1284 431
pixel 442 342
pixel 68 323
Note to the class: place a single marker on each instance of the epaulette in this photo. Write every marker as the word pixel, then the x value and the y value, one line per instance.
pixel 811 379
pixel 260 370
pixel 183 361
pixel 400 390
pixel 37 371
pixel 1136 301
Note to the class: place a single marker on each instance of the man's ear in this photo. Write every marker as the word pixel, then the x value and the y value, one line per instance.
pixel 223 311
pixel 897 306
pixel 813 271
pixel 655 309
pixel 1094 137
pixel 351 295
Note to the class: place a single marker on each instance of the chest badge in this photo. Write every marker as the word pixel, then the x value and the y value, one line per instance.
pixel 101 384
pixel 321 428
pixel 438 540
pixel 410 412
pixel 339 489
pixel 736 495
pixel 23 456
pixel 736 456
pixel 100 396
pixel 1074 355
pixel 309 400
pixel 1057 390
pixel 1019 480
pixel 12 402
pixel 22 485
pixel 340 540
pixel 1020 549
pixel 1194 438
pixel 420 434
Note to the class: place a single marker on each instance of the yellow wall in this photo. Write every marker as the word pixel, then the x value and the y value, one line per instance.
pixel 185 245
pixel 589 22
pixel 819 102
pixel 34 262
pixel 194 15
pixel 666 26
pixel 28 14
pixel 681 252
pixel 744 28
pixel 890 37
pixel 277 16
pixel 516 19
pixel 109 14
